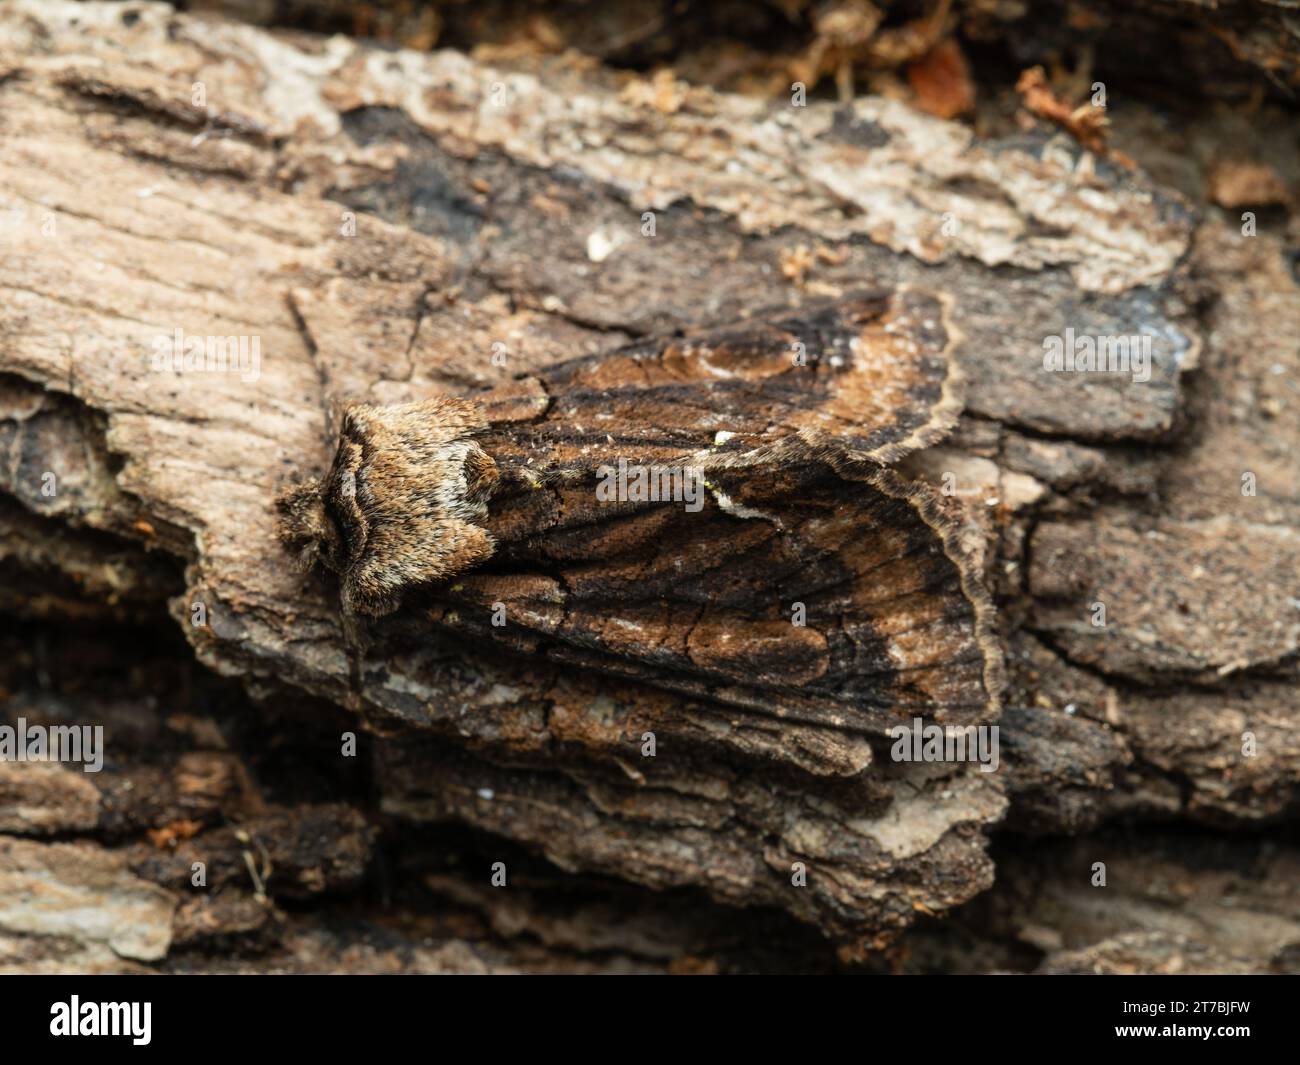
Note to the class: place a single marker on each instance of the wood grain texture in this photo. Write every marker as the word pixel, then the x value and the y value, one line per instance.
pixel 476 231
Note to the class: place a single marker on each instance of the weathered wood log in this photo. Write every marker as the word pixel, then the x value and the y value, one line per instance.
pixel 1222 50
pixel 395 228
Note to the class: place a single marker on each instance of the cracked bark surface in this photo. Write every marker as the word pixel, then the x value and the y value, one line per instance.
pixel 515 230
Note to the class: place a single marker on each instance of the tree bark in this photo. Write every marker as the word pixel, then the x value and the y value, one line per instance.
pixel 564 254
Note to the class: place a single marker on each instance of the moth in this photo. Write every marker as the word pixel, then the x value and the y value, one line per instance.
pixel 807 580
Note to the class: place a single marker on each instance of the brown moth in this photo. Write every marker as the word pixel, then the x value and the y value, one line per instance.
pixel 401 506
pixel 709 513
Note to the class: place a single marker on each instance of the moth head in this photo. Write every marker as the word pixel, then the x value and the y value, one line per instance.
pixel 320 520
pixel 402 505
